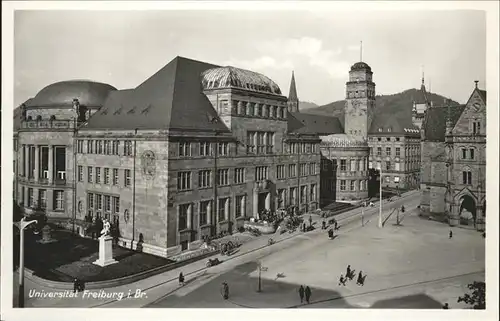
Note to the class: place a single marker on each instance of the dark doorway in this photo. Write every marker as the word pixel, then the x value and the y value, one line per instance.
pixel 467 205
pixel 261 206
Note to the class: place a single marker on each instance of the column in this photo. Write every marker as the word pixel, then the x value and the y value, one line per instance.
pixel 226 209
pixel 37 162
pixel 268 201
pixel 27 161
pixel 255 204
pixel 51 163
pixel 209 213
pixel 189 216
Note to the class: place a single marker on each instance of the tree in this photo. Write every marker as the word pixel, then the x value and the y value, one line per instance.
pixel 478 297
pixel 17 212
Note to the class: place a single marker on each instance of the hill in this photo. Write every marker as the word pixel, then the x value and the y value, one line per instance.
pixel 399 105
pixel 305 105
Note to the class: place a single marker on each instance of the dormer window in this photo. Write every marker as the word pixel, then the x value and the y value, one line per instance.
pixel 380 129
pixel 389 129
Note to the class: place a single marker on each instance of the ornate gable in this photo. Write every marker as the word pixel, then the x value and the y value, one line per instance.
pixel 474 112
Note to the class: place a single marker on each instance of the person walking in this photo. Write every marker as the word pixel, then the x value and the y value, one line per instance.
pixel 307 293
pixel 323 225
pixel 310 220
pixel 225 290
pixel 336 225
pixel 181 279
pixel 450 234
pixel 301 294
pixel 342 280
pixel 75 286
pixel 348 272
pixel 360 278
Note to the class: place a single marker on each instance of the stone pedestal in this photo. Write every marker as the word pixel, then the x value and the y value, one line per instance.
pixel 454 220
pixel 105 251
pixel 46 235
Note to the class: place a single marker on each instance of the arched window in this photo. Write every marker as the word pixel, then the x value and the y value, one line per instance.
pixel 466 176
pixel 53 117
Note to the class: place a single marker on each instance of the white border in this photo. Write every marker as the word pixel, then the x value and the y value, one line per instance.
pixel 7 313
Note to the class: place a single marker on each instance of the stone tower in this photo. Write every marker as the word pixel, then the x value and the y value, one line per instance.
pixel 360 101
pixel 293 100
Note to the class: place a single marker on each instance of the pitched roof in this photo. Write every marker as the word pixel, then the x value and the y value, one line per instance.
pixel 172 98
pixel 313 124
pixel 483 94
pixel 292 96
pixel 392 124
pixel 435 121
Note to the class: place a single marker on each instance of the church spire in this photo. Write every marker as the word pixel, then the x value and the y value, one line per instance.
pixel 293 100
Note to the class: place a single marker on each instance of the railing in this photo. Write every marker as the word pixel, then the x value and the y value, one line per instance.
pixel 48 124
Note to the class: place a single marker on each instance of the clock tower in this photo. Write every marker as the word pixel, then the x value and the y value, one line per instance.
pixel 360 101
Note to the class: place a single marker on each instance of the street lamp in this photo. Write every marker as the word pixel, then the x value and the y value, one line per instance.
pixel 261 268
pixel 22 225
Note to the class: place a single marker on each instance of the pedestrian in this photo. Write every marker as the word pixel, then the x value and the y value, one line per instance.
pixel 348 272
pixel 336 225
pixel 330 233
pixel 308 294
pixel 304 227
pixel 360 278
pixel 445 306
pixel 225 290
pixel 323 225
pixel 301 294
pixel 451 234
pixel 402 208
pixel 310 220
pixel 342 280
pixel 181 279
pixel 75 285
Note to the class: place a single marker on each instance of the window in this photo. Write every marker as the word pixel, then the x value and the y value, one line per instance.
pixel 204 212
pixel 99 201
pixel 205 149
pixel 467 177
pixel 303 169
pixel 127 148
pixel 79 146
pixel 106 176
pixel 260 173
pixel 42 198
pixel 59 200
pixel 378 165
pixel 343 165
pixel 361 186
pixel 312 168
pixel 260 142
pixel 396 179
pixel 107 203
pixel 98 175
pixel 342 184
pixel 223 207
pixel 388 138
pixel 282 112
pixel 388 166
pixel 115 176
pixel 116 204
pixel 99 149
pixel 223 149
pixel 183 216
pixel 239 175
pixel 353 165
pixel 292 170
pixel 204 178
pixel 89 147
pixel 90 200
pixel 183 180
pixel 476 127
pixel 388 151
pixel 397 166
pixel 80 173
pixel 240 206
pixel 31 199
pixel 379 151
pixel 184 149
pixel 251 142
pixel 114 146
pixel 464 153
pixel 471 151
pixel 127 177
pixel 397 139
pixel 89 174
pixel 398 151
pixel 269 143
pixel 223 176
pixel 312 191
pixel 280 169
pixel 303 194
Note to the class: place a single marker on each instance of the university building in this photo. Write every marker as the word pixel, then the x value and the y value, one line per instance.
pixel 454 161
pixel 194 150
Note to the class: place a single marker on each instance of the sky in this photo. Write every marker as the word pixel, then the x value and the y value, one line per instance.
pixel 124 48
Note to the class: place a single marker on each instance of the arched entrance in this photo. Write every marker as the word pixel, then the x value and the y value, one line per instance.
pixel 467 210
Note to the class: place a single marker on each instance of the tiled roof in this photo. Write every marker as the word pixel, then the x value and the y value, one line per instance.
pixel 392 124
pixel 435 121
pixel 313 124
pixel 483 94
pixel 170 99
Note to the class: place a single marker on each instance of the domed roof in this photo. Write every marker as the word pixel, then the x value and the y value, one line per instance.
pixel 88 93
pixel 360 66
pixel 226 77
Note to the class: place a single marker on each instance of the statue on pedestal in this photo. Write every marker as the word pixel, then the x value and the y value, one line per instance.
pixel 106 228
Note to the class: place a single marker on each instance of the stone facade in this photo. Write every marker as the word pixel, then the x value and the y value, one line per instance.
pixel 454 164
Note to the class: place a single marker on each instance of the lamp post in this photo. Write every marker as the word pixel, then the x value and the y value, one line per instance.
pixel 22 225
pixel 380 205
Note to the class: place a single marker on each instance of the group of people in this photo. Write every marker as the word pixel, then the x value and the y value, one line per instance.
pixel 78 285
pixel 350 275
pixel 304 292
